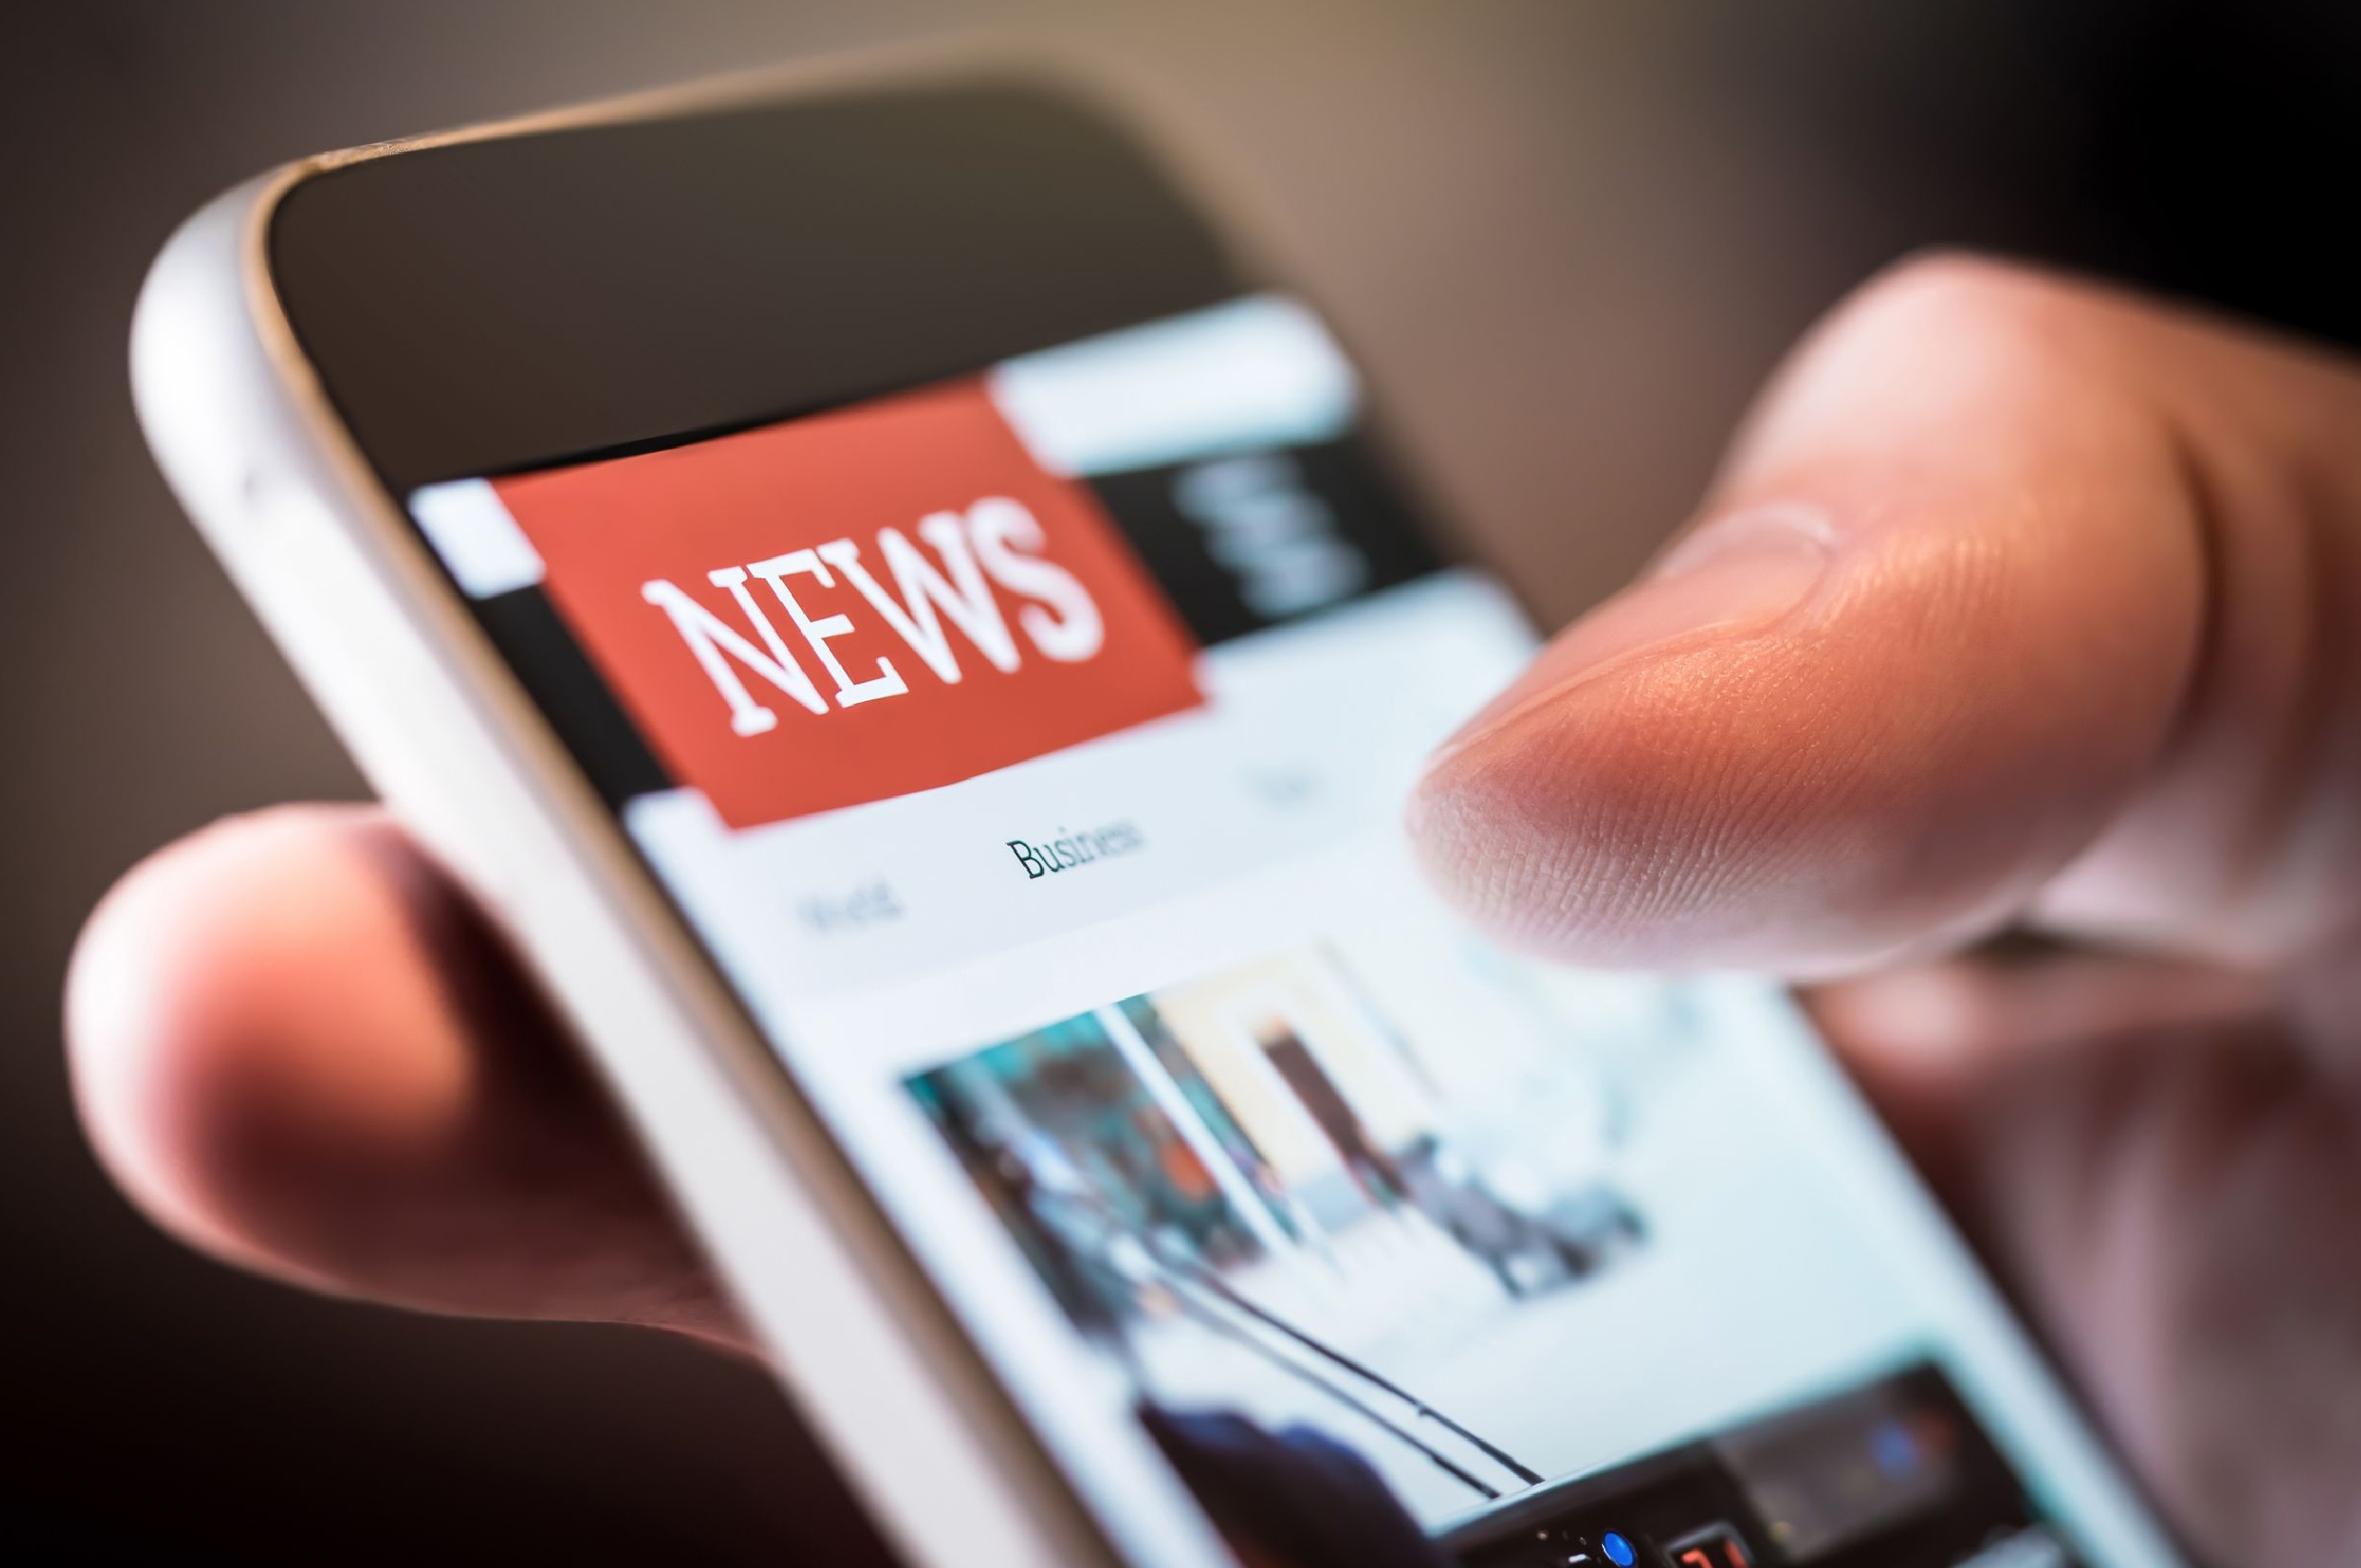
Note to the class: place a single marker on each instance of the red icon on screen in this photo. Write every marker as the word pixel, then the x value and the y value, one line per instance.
pixel 1716 1546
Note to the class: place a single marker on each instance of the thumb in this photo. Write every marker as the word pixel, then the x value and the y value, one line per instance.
pixel 2016 596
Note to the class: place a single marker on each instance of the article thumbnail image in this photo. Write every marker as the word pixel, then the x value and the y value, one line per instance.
pixel 1255 1188
pixel 1380 1191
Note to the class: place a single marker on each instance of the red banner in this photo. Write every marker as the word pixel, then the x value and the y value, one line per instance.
pixel 855 605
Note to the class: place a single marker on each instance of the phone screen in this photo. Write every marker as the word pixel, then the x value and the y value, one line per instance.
pixel 1029 749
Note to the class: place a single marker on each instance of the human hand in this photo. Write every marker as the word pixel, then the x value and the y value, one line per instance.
pixel 2020 604
pixel 2027 605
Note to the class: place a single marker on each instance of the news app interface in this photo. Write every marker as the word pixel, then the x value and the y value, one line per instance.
pixel 1030 751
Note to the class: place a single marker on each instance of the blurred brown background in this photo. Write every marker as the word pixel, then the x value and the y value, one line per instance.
pixel 1569 238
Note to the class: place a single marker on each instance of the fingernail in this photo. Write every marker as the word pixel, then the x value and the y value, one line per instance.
pixel 1740 574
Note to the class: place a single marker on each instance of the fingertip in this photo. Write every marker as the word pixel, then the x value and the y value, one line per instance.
pixel 1851 780
pixel 1696 806
pixel 300 1046
pixel 210 1008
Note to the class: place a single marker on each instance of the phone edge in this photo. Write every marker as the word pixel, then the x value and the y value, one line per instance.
pixel 951 1471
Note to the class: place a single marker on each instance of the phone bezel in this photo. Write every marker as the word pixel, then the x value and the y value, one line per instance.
pixel 484 305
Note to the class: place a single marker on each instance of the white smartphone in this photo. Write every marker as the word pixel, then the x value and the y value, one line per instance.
pixel 917 639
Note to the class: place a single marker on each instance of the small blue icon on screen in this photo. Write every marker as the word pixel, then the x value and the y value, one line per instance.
pixel 1618 1550
pixel 1895 1449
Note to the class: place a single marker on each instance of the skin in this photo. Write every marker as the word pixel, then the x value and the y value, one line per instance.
pixel 2021 606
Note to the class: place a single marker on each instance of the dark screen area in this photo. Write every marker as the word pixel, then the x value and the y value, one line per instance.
pixel 491 305
pixel 1343 484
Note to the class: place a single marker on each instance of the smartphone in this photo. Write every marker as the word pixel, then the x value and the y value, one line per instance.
pixel 919 641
